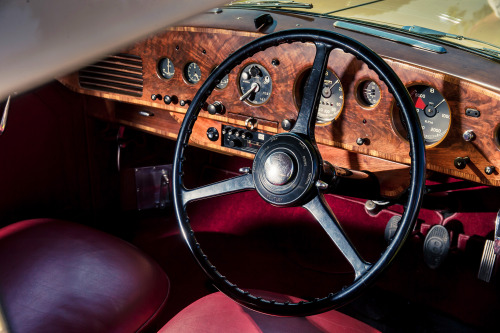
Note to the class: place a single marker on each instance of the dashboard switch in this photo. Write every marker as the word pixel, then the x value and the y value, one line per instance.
pixel 167 99
pixel 212 134
pixel 469 135
pixel 489 170
pixel 184 102
pixel 461 162
pixel 154 97
pixel 215 108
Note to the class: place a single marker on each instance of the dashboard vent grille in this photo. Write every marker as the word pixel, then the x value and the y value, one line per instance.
pixel 121 74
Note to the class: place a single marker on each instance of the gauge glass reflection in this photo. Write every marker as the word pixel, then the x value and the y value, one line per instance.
pixel 192 73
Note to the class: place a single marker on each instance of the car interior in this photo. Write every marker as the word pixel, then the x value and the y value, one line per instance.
pixel 265 166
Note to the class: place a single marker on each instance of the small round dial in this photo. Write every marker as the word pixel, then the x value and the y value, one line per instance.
pixel 332 96
pixel 369 93
pixel 192 73
pixel 255 84
pixel 223 83
pixel 166 68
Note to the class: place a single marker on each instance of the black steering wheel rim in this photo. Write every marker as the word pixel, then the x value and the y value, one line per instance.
pixel 182 196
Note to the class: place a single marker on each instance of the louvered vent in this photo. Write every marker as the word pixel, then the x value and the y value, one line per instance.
pixel 121 74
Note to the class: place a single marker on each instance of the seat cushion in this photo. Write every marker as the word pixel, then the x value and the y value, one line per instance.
pixel 218 313
pixel 57 276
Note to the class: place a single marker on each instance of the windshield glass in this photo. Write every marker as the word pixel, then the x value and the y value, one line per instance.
pixel 473 19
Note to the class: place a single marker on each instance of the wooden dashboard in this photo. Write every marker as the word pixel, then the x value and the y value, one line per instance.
pixel 385 150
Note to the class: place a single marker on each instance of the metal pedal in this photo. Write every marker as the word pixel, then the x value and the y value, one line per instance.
pixel 487 262
pixel 391 227
pixel 436 246
pixel 490 252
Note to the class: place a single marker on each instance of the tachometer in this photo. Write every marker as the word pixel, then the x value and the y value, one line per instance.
pixel 433 112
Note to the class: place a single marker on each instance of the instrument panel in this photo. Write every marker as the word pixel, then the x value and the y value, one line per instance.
pixel 356 115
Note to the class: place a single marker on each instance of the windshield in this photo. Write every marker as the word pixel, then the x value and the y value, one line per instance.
pixel 465 22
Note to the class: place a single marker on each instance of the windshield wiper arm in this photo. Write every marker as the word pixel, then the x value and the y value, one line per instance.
pixel 272 4
pixel 440 34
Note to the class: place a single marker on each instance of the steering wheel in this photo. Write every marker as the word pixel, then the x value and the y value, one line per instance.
pixel 288 170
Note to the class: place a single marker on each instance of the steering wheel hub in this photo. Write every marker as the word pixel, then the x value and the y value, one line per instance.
pixel 279 168
pixel 285 169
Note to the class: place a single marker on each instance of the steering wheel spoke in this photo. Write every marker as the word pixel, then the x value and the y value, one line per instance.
pixel 228 186
pixel 322 212
pixel 312 92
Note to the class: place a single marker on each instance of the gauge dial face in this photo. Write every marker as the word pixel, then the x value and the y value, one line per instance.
pixel 166 68
pixel 223 83
pixel 369 93
pixel 255 84
pixel 332 96
pixel 433 112
pixel 192 73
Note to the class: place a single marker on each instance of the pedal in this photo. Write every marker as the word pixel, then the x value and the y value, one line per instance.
pixel 436 246
pixel 487 262
pixel 490 252
pixel 391 227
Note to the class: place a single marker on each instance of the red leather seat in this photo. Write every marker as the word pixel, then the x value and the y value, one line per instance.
pixel 58 276
pixel 217 313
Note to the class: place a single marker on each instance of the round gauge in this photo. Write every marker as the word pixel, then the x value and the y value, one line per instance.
pixel 255 84
pixel 192 73
pixel 332 96
pixel 166 68
pixel 223 83
pixel 369 93
pixel 433 112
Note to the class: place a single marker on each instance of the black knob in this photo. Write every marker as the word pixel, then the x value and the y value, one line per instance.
pixel 212 134
pixel 154 97
pixel 234 143
pixel 184 102
pixel 216 108
pixel 246 135
pixel 255 71
pixel 287 124
pixel 461 162
pixel 361 141
pixel 489 170
pixel 167 99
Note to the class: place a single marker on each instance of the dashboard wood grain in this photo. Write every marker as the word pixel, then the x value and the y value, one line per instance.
pixel 386 148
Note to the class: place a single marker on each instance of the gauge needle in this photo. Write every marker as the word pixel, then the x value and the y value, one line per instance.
pixel 197 76
pixel 439 104
pixel 333 85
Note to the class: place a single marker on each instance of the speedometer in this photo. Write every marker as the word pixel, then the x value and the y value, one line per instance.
pixel 433 112
pixel 332 96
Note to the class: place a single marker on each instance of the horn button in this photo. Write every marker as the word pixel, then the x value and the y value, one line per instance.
pixel 285 169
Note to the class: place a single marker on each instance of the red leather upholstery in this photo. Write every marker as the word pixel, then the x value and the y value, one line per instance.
pixel 217 313
pixel 58 276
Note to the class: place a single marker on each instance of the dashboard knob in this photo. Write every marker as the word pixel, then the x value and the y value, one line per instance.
pixel 154 97
pixel 215 108
pixel 287 124
pixel 489 170
pixel 234 143
pixel 184 102
pixel 167 99
pixel 361 141
pixel 461 162
pixel 469 135
pixel 246 135
pixel 255 71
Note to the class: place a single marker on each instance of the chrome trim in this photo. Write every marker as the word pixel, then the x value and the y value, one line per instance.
pixel 390 36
